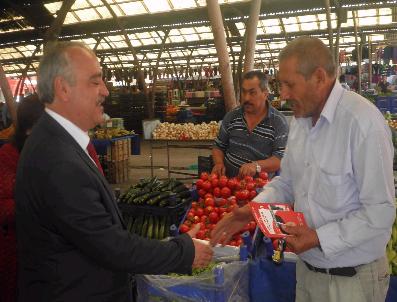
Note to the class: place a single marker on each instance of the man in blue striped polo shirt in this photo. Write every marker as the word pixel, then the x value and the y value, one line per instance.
pixel 253 136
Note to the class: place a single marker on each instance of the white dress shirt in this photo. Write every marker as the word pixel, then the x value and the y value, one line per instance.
pixel 339 173
pixel 79 135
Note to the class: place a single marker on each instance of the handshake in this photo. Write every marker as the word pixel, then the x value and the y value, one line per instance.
pixel 202 252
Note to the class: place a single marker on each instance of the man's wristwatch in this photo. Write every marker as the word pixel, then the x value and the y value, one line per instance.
pixel 258 167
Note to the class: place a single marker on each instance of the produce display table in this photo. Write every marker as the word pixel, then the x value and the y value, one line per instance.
pixel 177 144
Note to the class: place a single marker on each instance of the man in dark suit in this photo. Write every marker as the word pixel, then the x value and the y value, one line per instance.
pixel 72 241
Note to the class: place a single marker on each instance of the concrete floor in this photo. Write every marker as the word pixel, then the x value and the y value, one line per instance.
pixel 181 160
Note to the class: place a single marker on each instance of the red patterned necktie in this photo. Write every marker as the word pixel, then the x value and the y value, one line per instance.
pixel 94 156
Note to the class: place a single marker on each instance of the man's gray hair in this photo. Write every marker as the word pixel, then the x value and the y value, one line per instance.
pixel 56 62
pixel 311 53
pixel 263 81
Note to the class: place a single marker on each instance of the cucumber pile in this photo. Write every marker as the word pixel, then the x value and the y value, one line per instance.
pixel 153 192
pixel 149 226
pixel 152 206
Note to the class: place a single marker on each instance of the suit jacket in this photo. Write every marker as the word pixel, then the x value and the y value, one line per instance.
pixel 72 242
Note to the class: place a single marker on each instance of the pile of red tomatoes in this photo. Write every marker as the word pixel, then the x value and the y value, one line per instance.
pixel 219 196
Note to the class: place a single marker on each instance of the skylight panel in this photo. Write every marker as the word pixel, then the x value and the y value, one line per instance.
pixel 203 52
pixel 156 6
pixel 96 2
pixel 206 36
pixel 367 21
pixel 117 11
pixel 260 46
pixel 385 19
pixel 16 55
pixel 377 38
pixel 183 4
pixel 384 11
pixel 151 55
pixel 366 13
pixel 115 38
pixel 87 14
pixel 79 4
pixel 144 35
pixel 103 45
pixel 134 41
pixel 346 40
pixel 240 25
pixel 291 27
pixel 120 44
pixel 309 26
pixel 176 39
pixel 133 8
pixel 270 22
pixel 260 30
pixel 203 29
pixel 53 7
pixel 193 37
pixel 5 56
pixel 212 50
pixel 307 18
pixel 89 41
pixel 148 41
pixel 187 30
pixel 70 19
pixel 104 12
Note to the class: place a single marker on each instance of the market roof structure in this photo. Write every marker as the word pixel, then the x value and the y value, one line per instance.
pixel 23 24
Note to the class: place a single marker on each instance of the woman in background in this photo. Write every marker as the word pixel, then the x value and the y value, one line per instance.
pixel 28 112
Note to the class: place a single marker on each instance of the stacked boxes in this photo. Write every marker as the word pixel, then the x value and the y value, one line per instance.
pixel 117 155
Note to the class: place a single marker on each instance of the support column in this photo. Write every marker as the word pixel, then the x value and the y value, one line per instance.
pixel 5 88
pixel 252 25
pixel 141 77
pixel 358 50
pixel 329 24
pixel 54 30
pixel 369 61
pixel 154 83
pixel 215 16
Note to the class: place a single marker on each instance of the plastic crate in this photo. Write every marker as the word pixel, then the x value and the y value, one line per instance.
pixel 102 145
pixel 204 164
pixel 228 282
pixel 392 103
pixel 382 102
pixel 170 216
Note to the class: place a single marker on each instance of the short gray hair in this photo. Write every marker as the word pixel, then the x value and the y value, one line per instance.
pixel 311 53
pixel 55 62
pixel 263 82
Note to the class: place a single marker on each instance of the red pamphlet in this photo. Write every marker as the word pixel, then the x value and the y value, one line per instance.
pixel 269 217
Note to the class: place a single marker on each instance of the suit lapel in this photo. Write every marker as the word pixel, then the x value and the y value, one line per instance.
pixel 61 132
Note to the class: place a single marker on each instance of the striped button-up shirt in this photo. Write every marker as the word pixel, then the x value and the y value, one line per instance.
pixel 241 146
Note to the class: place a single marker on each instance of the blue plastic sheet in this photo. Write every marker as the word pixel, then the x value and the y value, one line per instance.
pixel 270 282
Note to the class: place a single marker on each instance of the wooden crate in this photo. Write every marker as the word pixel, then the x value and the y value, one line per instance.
pixel 119 150
pixel 117 171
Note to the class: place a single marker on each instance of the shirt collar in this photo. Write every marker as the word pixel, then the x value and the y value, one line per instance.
pixel 332 102
pixel 270 110
pixel 79 135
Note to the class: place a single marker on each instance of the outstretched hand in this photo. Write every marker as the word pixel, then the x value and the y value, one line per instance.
pixel 230 224
pixel 202 252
